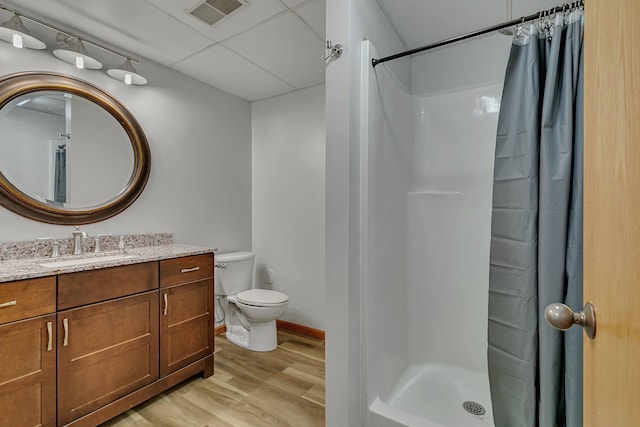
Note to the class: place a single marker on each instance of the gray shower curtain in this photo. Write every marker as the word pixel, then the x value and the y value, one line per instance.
pixel 60 175
pixel 535 371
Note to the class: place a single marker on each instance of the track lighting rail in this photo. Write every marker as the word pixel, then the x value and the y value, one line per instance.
pixel 69 33
pixel 70 47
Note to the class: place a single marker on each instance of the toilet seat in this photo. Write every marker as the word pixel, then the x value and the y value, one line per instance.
pixel 262 298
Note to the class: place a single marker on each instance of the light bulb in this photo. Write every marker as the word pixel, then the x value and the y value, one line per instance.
pixel 79 62
pixel 127 79
pixel 17 41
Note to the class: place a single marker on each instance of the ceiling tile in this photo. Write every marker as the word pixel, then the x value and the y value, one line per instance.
pixel 142 28
pixel 291 3
pixel 246 17
pixel 314 15
pixel 286 47
pixel 220 67
pixel 529 7
pixel 421 22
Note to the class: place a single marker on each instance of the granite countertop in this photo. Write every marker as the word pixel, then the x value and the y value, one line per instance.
pixel 29 268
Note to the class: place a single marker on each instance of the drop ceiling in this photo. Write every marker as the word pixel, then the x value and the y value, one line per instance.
pixel 422 22
pixel 263 49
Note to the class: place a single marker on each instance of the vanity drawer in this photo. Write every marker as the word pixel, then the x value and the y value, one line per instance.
pixel 88 287
pixel 27 298
pixel 186 269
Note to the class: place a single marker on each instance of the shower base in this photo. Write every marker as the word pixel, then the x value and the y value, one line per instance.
pixel 433 395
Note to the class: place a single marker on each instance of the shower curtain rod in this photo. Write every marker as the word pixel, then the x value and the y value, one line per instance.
pixel 514 22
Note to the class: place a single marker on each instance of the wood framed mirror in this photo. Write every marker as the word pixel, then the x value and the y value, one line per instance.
pixel 70 153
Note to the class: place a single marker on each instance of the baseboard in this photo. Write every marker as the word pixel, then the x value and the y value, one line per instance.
pixel 283 324
pixel 301 329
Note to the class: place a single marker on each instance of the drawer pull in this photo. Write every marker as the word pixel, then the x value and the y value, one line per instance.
pixel 189 270
pixel 65 326
pixel 166 304
pixel 50 335
pixel 8 304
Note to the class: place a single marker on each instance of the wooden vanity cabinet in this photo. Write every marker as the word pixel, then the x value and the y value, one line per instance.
pixel 28 353
pixel 186 317
pixel 91 286
pixel 80 348
pixel 28 373
pixel 107 343
pixel 186 327
pixel 105 351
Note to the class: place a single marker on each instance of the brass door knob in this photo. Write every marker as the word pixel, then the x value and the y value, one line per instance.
pixel 562 317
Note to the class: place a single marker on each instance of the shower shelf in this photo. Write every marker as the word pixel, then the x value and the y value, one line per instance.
pixel 432 193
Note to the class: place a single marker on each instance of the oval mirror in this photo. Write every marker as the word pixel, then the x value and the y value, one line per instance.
pixel 70 153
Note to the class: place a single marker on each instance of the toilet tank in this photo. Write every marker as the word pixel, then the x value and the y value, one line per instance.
pixel 234 272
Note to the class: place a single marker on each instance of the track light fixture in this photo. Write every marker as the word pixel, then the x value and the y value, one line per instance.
pixel 127 74
pixel 71 48
pixel 13 31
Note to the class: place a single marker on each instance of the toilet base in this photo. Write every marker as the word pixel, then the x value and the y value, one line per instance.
pixel 260 336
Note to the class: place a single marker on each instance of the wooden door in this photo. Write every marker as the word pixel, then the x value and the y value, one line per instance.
pixel 612 212
pixel 105 351
pixel 186 324
pixel 28 373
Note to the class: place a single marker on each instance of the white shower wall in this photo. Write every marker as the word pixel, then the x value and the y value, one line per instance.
pixel 387 147
pixel 427 172
pixel 448 227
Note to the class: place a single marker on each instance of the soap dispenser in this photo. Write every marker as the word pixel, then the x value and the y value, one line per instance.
pixel 121 245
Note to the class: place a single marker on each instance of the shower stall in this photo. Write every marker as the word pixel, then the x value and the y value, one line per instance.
pixel 426 179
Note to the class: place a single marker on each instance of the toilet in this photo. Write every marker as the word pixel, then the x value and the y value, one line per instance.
pixel 250 314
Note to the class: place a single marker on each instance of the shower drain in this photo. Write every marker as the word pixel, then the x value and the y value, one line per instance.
pixel 474 408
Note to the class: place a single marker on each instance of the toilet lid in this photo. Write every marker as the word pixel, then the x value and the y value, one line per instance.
pixel 262 297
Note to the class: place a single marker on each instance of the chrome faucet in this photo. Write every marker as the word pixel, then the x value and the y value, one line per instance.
pixel 96 249
pixel 77 241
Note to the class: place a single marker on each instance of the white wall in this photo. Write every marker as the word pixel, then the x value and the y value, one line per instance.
pixel 473 63
pixel 348 22
pixel 25 150
pixel 86 187
pixel 288 155
pixel 200 140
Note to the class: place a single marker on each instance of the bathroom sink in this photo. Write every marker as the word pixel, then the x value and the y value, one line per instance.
pixel 86 261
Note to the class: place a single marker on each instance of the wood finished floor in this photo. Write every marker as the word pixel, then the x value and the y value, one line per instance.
pixel 284 387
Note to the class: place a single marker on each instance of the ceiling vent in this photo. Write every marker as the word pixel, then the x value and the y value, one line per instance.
pixel 212 11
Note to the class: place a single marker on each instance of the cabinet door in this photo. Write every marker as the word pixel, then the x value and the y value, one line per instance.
pixel 28 373
pixel 186 324
pixel 105 351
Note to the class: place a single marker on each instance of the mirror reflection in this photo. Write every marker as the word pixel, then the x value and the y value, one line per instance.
pixel 64 150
